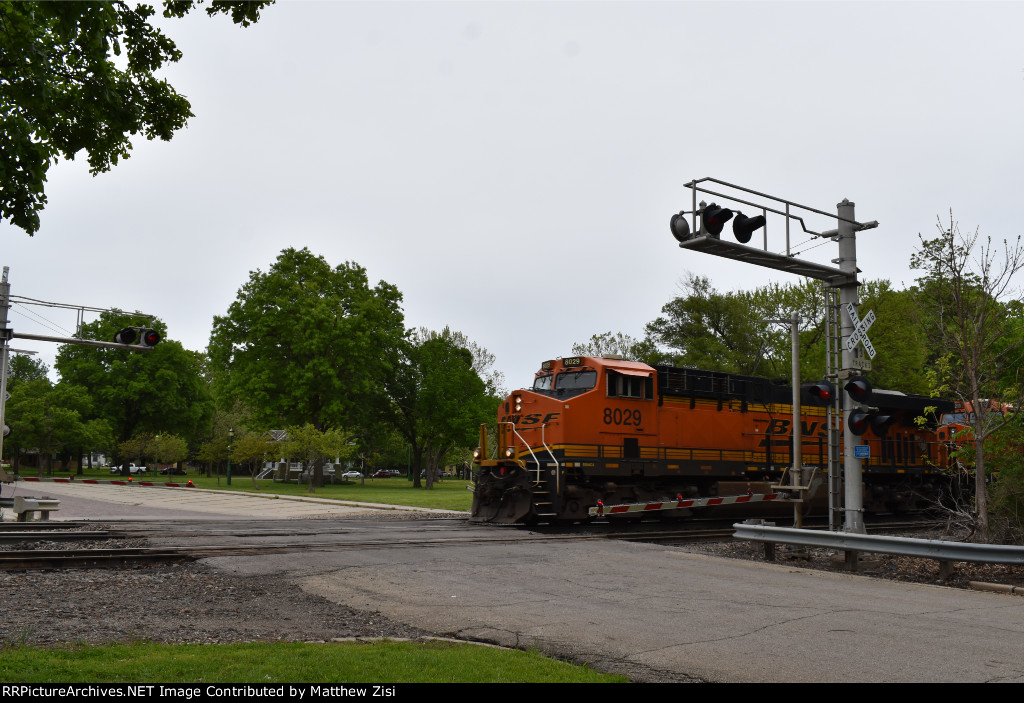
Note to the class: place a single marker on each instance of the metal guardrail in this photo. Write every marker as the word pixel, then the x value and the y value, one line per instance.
pixel 879 544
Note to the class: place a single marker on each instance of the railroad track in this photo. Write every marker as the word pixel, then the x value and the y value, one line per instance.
pixel 330 536
pixel 58 558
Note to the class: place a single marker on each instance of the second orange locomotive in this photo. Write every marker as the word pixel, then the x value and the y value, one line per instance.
pixel 594 430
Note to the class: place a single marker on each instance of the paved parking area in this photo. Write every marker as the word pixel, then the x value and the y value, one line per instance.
pixel 81 501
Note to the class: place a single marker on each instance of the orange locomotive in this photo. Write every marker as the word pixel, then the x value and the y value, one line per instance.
pixel 605 430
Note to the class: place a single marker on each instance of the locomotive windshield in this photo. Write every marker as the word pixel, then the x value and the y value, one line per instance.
pixel 542 383
pixel 575 380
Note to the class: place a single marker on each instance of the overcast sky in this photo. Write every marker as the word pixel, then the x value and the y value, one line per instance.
pixel 512 167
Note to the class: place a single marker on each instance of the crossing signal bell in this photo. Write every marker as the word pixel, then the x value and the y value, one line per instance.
pixel 680 227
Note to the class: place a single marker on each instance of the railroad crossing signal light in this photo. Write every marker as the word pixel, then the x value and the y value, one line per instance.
pixel 713 219
pixel 880 422
pixel 819 393
pixel 859 389
pixel 743 227
pixel 145 336
pixel 127 336
pixel 859 422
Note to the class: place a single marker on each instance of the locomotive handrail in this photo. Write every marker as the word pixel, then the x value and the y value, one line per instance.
pixel 513 425
pixel 558 468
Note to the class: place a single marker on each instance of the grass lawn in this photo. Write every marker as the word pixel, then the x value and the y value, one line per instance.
pixel 450 494
pixel 290 662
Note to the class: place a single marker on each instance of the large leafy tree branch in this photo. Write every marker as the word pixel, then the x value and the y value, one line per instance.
pixel 82 76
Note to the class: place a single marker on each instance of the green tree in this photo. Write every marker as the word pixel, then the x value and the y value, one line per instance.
pixel 51 419
pixel 308 343
pixel 251 450
pixel 312 446
pixel 609 343
pixel 899 338
pixel 1006 462
pixel 82 76
pixel 25 368
pixel 159 391
pixel 731 331
pixel 440 400
pixel 707 329
pixel 971 311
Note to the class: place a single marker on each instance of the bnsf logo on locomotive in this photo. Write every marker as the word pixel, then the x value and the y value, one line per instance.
pixel 531 419
pixel 807 429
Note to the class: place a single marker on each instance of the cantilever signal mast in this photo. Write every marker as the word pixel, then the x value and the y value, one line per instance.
pixel 148 337
pixel 704 235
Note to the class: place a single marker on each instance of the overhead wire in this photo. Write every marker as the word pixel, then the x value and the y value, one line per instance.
pixel 45 322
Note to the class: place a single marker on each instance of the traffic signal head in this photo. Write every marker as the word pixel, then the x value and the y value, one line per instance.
pixel 150 338
pixel 859 389
pixel 820 393
pixel 713 219
pixel 680 227
pixel 743 227
pixel 126 336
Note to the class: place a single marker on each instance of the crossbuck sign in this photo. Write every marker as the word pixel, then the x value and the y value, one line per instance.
pixel 860 330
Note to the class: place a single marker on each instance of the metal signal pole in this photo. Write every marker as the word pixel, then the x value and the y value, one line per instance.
pixel 854 483
pixel 5 336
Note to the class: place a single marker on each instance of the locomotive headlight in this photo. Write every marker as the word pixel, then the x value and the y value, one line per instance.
pixel 510 452
pixel 519 403
pixel 476 453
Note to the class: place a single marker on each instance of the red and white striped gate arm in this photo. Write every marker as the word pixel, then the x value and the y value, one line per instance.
pixel 603 510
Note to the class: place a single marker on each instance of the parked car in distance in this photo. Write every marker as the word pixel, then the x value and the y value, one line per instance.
pixel 351 474
pixel 383 473
pixel 172 470
pixel 132 469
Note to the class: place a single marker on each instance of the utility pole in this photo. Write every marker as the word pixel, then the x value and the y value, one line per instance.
pixel 5 336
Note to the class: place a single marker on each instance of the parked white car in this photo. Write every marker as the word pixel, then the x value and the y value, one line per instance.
pixel 351 474
pixel 132 469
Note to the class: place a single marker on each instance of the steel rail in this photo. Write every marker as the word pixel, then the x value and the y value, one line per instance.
pixel 56 558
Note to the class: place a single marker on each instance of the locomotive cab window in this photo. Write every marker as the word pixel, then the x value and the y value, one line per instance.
pixel 575 380
pixel 542 383
pixel 623 385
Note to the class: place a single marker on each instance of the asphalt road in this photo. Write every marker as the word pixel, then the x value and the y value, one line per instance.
pixel 639 608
